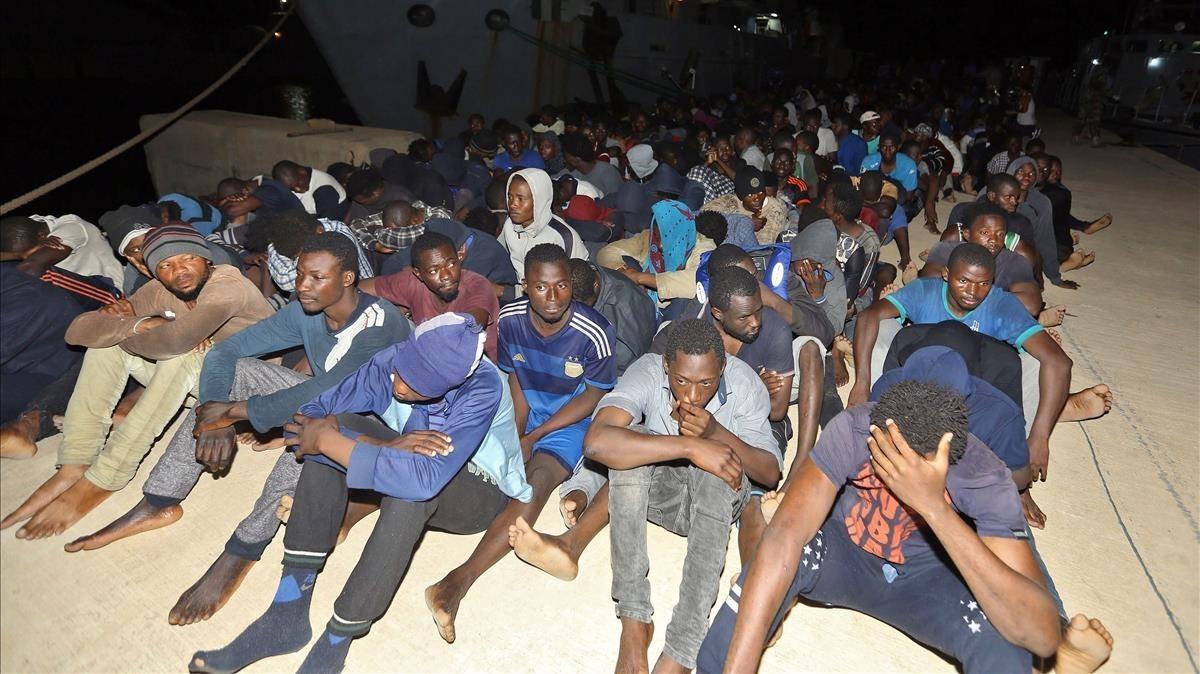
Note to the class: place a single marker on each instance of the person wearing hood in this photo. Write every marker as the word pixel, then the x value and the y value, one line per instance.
pixel 641 163
pixel 549 147
pixel 446 455
pixel 531 221
pixel 768 214
pixel 664 257
pixel 1037 207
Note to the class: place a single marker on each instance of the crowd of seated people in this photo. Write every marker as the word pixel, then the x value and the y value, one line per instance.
pixel 612 311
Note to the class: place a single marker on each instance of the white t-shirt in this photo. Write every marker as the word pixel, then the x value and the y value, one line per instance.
pixel 827 141
pixel 318 179
pixel 755 157
pixel 91 254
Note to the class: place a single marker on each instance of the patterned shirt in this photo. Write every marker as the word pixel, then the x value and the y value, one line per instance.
pixel 370 230
pixel 283 268
pixel 716 184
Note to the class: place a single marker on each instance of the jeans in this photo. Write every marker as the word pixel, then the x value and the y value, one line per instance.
pixel 683 500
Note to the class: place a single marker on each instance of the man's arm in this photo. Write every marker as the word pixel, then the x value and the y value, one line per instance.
pixel 1029 294
pixel 49 252
pixel 578 408
pixel 1054 379
pixel 865 334
pixel 900 236
pixel 218 303
pixel 520 404
pixel 800 514
pixel 810 367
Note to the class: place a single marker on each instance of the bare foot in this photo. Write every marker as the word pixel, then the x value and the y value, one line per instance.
pixel 58 420
pixel 844 346
pixel 547 553
pixel 1033 514
pixel 1077 260
pixel 1098 225
pixel 18 438
pixel 143 517
pixel 63 512
pixel 1052 316
pixel 126 404
pixel 1085 645
pixel 442 599
pixel 259 443
pixel 284 510
pixel 1087 404
pixel 923 256
pixel 50 490
pixel 841 374
pixel 635 641
pixel 1054 334
pixel 909 274
pixel 769 504
pixel 355 512
pixel 207 596
pixel 888 290
pixel 571 507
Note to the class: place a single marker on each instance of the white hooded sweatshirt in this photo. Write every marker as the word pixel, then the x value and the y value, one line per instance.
pixel 517 239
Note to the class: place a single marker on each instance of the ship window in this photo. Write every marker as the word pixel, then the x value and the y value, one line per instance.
pixel 1169 46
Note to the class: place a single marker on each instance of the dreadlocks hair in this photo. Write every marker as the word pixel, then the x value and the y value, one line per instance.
pixel 428 241
pixel 972 255
pixel 337 245
pixel 725 255
pixel 694 337
pixel 923 412
pixel 728 283
pixel 583 281
pixel 546 253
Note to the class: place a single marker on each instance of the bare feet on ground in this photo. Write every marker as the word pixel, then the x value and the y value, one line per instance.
pixel 1078 260
pixel 18 438
pixel 909 274
pixel 1099 224
pixel 635 641
pixel 888 290
pixel 1054 334
pixel 770 503
pixel 355 512
pixel 1052 316
pixel 63 512
pixel 143 517
pixel 43 495
pixel 203 599
pixel 1085 645
pixel 58 420
pixel 1033 514
pixel 442 599
pixel 1087 404
pixel 842 349
pixel 548 553
pixel 260 443
pixel 571 507
pixel 923 256
pixel 284 510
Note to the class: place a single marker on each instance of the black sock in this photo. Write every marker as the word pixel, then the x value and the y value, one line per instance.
pixel 282 629
pixel 328 655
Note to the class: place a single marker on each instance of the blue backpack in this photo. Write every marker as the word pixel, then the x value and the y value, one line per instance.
pixel 771 260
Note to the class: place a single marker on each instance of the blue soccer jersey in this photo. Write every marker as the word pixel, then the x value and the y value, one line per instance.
pixel 1000 315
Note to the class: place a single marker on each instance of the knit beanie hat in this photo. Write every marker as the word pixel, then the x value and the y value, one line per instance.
pixel 173 239
pixel 485 142
pixel 127 222
pixel 441 353
pixel 748 180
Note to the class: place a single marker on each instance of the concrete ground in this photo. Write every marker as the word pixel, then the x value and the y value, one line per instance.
pixel 1121 540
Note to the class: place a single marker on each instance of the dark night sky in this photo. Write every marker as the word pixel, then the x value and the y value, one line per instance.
pixel 77 75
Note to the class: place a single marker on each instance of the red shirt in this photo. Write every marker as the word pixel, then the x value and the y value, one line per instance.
pixel 406 291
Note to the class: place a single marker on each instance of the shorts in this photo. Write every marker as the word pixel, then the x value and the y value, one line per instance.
pixel 565 444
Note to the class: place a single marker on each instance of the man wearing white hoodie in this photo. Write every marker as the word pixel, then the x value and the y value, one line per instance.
pixel 530 221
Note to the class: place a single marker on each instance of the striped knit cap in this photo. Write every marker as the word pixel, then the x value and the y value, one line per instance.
pixel 173 239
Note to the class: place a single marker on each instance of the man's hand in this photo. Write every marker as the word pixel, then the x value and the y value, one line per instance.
pixel 772 379
pixel 1039 458
pixel 635 275
pixel 425 443
pixel 813 275
pixel 527 442
pixel 48 243
pixel 695 421
pixel 214 448
pixel 308 433
pixel 758 220
pixel 215 415
pixel 118 308
pixel 149 323
pixel 717 459
pixel 919 482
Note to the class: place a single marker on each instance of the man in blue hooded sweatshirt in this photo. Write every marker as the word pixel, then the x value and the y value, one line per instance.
pixel 447 458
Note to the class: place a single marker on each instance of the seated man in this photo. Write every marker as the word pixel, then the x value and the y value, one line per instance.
pixel 437 283
pixel 986 225
pixel 158 336
pixel 339 328
pixel 768 214
pixel 558 356
pixel 67 242
pixel 447 458
pixel 626 307
pixel 1004 191
pixel 965 293
pixel 319 193
pixel 369 193
pixel 285 233
pixel 682 435
pixel 888 488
